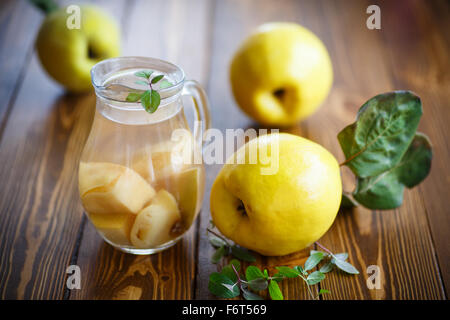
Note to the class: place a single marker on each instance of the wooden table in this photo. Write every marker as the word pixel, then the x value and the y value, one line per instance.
pixel 42 132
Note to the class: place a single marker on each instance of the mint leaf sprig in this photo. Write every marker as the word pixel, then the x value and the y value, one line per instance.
pixel 224 248
pixel 229 283
pixel 150 99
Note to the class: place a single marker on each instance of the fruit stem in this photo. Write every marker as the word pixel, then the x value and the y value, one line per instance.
pixel 218 235
pixel 237 275
pixel 324 249
pixel 47 6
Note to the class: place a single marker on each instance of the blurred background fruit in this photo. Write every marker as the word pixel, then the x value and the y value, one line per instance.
pixel 69 54
pixel 281 74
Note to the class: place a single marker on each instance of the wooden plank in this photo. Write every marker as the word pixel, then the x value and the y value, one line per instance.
pixel 40 211
pixel 178 32
pixel 420 63
pixel 398 241
pixel 15 55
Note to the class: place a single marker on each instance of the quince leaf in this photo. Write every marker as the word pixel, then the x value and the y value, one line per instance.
pixel 385 191
pixel 348 201
pixel 384 128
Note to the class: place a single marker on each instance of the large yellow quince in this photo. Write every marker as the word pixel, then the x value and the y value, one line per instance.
pixel 281 74
pixel 283 212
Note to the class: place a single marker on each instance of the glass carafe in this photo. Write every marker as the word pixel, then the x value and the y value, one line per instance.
pixel 140 179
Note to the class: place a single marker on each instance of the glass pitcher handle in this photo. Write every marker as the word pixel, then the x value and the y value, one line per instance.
pixel 201 105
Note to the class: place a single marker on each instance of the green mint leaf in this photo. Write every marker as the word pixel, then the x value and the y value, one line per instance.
pixel 253 272
pixel 144 74
pixel 218 254
pixel 299 269
pixel 236 264
pixel 278 277
pixel 133 96
pixel 315 277
pixel 228 269
pixel 326 267
pixel 165 84
pixel 154 101
pixel 266 274
pixel 313 260
pixel 344 266
pixel 311 252
pixel 274 291
pixel 222 286
pixel 216 241
pixel 323 291
pixel 242 254
pixel 347 201
pixel 146 100
pixel 288 272
pixel 248 295
pixel 384 128
pixel 157 78
pixel 258 284
pixel 141 82
pixel 385 191
pixel 341 256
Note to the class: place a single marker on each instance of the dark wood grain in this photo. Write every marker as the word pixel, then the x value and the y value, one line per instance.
pixel 15 55
pixel 422 66
pixel 42 133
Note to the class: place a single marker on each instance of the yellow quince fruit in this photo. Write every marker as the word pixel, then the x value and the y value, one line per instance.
pixel 278 212
pixel 281 74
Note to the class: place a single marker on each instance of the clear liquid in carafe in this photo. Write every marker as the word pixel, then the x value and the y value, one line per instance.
pixel 137 182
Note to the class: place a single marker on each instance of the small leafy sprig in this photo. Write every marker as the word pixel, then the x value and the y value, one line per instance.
pixel 224 248
pixel 150 99
pixel 229 283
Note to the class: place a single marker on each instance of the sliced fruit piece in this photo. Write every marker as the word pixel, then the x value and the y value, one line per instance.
pixel 97 174
pixel 188 187
pixel 154 223
pixel 163 159
pixel 126 193
pixel 116 228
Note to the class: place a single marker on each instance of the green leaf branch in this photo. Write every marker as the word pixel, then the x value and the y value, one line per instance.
pixel 229 283
pixel 224 248
pixel 384 150
pixel 150 99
